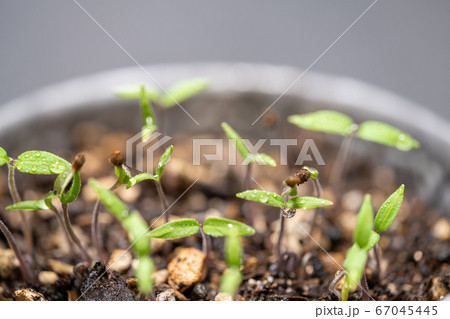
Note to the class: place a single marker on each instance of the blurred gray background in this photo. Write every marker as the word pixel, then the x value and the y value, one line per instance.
pixel 401 45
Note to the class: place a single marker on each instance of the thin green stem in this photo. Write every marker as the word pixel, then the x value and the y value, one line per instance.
pixel 27 275
pixel 248 207
pixel 163 199
pixel 95 225
pixel 277 251
pixel 64 229
pixel 206 246
pixel 16 199
pixel 377 252
pixel 318 194
pixel 340 165
pixel 72 234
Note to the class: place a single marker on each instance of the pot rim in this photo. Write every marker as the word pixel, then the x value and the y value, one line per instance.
pixel 82 92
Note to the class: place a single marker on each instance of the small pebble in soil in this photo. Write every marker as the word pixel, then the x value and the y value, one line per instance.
pixel 8 263
pixel 187 268
pixel 259 284
pixel 251 282
pixel 441 229
pixel 166 295
pixel 309 269
pixel 60 267
pixel 223 296
pixel 392 288
pixel 28 294
pixel 270 279
pixel 418 255
pixel 199 291
pixel 48 277
pixel 273 269
pixel 120 260
pixel 160 276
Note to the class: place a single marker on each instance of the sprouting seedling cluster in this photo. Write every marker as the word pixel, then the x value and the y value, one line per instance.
pixel 365 238
pixel 215 227
pixel 148 96
pixel 338 123
pixel 66 189
pixel 124 177
pixel 276 200
pixel 137 227
pixel 287 206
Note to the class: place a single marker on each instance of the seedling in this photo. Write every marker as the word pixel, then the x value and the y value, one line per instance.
pixel 124 177
pixel 137 227
pixel 248 157
pixel 216 227
pixel 287 206
pixel 147 95
pixel 302 176
pixel 365 238
pixel 232 277
pixel 40 162
pixel 176 94
pixel 337 123
pixel 385 217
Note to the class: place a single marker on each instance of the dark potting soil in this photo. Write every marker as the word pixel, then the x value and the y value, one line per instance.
pixel 415 250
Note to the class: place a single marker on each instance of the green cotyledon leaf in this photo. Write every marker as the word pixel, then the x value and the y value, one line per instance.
pixel 217 227
pixel 268 198
pixel 176 229
pixel 324 121
pixel 29 205
pixel 110 200
pixel 261 158
pixel 164 159
pixel 40 162
pixel 364 223
pixel 307 202
pixel 354 264
pixel 237 140
pixel 133 92
pixel 4 159
pixel 388 211
pixel 183 90
pixel 74 190
pixel 385 134
pixel 137 229
pixel 374 238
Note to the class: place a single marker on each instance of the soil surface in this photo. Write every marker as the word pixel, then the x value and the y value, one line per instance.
pixel 415 250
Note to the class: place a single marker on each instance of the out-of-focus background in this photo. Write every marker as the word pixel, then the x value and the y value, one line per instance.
pixel 401 45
